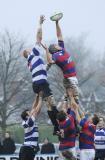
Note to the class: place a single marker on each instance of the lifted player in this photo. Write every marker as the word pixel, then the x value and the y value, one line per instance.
pixel 39 75
pixel 63 59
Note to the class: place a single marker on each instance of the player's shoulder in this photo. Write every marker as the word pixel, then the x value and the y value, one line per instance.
pixel 36 49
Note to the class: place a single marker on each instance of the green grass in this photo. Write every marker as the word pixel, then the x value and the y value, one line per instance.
pixel 46 131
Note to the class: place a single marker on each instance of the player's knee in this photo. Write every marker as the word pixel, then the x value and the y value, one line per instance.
pixel 66 83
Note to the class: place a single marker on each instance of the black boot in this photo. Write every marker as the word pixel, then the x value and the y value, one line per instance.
pixel 52 117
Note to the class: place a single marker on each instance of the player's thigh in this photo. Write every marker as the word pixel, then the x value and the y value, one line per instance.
pixel 87 154
pixel 23 153
pixel 36 88
pixel 44 87
pixel 71 85
pixel 29 153
pixel 46 90
pixel 83 155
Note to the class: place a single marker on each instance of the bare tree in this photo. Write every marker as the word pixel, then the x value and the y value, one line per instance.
pixel 15 90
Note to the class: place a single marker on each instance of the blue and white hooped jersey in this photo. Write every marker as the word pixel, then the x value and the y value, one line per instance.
pixel 37 66
pixel 99 139
pixel 31 132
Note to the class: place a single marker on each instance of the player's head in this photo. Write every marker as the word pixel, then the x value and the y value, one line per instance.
pixel 53 48
pixel 25 53
pixel 95 119
pixel 61 116
pixel 101 122
pixel 25 114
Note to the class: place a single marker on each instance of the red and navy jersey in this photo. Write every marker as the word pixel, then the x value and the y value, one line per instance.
pixel 86 139
pixel 64 61
pixel 68 127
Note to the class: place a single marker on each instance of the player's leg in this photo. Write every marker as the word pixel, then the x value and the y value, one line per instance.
pixel 51 105
pixel 87 154
pixel 83 154
pixel 91 154
pixel 71 86
pixel 99 154
pixel 70 91
pixel 26 152
pixel 50 102
pixel 22 153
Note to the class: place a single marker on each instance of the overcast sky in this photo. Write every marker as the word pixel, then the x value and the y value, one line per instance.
pixel 80 16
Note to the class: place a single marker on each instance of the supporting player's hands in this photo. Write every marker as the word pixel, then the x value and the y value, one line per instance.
pixel 73 103
pixel 42 19
pixel 60 133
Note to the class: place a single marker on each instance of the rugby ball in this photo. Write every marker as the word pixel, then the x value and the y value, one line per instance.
pixel 56 16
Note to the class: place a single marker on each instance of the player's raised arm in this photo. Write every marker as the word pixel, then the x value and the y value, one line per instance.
pixel 35 102
pixel 78 117
pixel 39 31
pixel 48 55
pixel 77 108
pixel 37 106
pixel 58 31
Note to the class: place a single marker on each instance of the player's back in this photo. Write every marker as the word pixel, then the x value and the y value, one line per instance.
pixel 63 59
pixel 86 138
pixel 68 126
pixel 37 67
